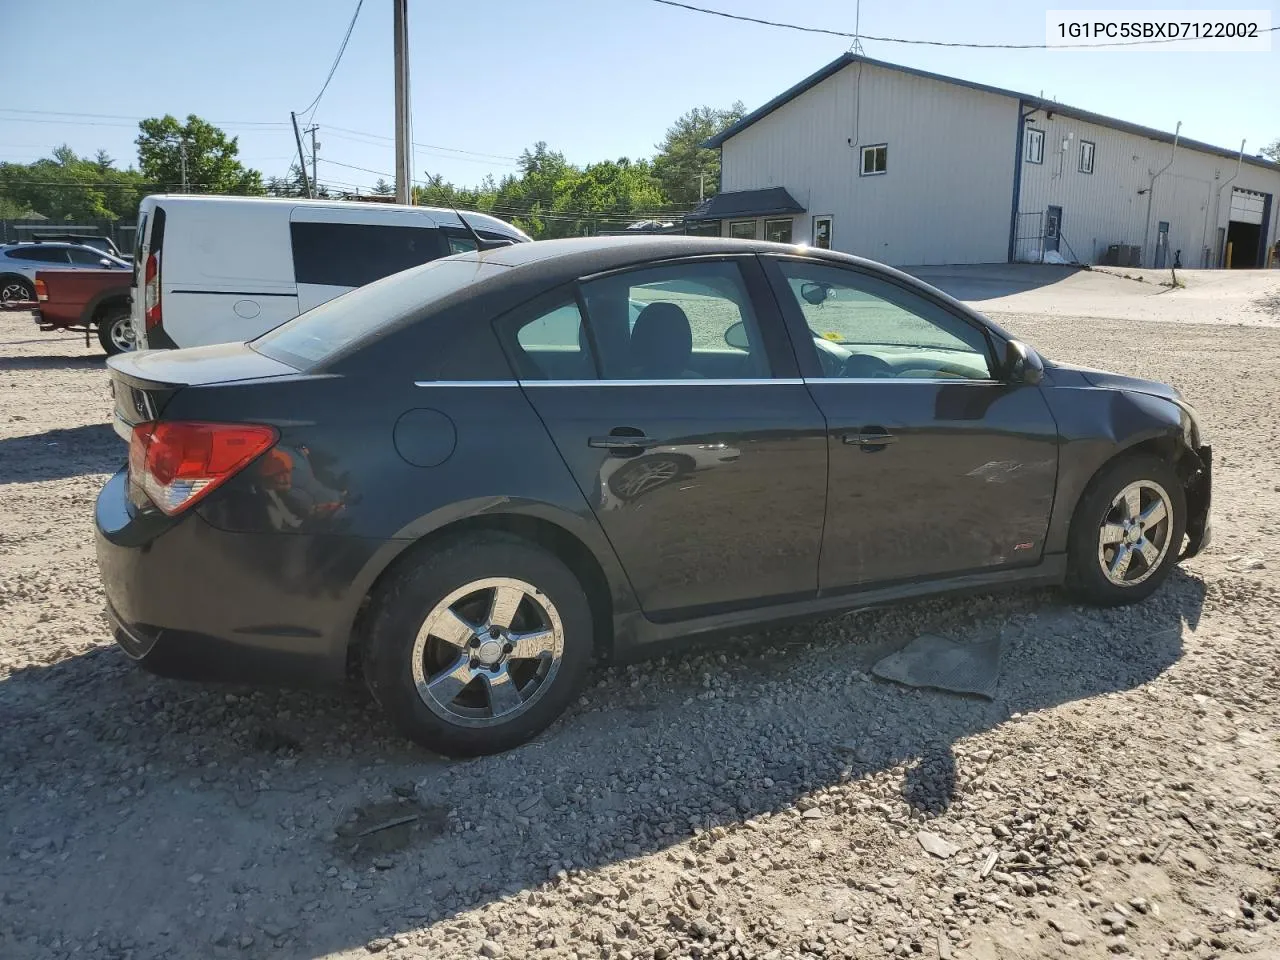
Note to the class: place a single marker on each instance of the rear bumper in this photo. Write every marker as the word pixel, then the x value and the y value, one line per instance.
pixel 1199 504
pixel 192 601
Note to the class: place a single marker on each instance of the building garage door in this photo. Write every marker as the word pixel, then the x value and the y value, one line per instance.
pixel 1247 205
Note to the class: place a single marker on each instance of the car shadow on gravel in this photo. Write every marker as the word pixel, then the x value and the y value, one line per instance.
pixel 263 805
pixel 56 362
pixel 58 454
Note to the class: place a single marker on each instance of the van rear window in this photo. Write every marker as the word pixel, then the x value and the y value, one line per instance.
pixel 313 337
pixel 353 254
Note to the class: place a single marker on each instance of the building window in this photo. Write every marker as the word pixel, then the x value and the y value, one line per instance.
pixel 742 229
pixel 778 231
pixel 1035 145
pixel 875 159
pixel 822 233
pixel 1086 156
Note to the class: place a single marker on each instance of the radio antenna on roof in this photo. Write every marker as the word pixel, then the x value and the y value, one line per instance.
pixel 480 242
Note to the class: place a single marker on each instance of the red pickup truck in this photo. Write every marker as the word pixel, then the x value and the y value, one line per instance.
pixel 88 301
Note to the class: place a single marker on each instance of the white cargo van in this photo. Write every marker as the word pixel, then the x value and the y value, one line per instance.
pixel 210 269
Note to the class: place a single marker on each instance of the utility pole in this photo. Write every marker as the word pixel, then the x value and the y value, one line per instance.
pixel 302 159
pixel 314 147
pixel 182 156
pixel 701 191
pixel 400 23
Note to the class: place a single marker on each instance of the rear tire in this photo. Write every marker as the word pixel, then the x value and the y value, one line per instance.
pixel 15 287
pixel 115 331
pixel 1127 532
pixel 479 644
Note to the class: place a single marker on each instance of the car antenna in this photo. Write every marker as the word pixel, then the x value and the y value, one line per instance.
pixel 480 242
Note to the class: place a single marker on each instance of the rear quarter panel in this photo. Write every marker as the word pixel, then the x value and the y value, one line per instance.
pixel 72 292
pixel 339 472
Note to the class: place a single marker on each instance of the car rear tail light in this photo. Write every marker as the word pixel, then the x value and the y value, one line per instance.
pixel 151 293
pixel 42 290
pixel 176 463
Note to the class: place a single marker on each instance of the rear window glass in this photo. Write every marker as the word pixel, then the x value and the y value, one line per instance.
pixel 353 254
pixel 318 334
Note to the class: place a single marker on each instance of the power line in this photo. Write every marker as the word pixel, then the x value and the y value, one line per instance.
pixel 513 207
pixel 311 107
pixel 492 161
pixel 120 116
pixel 428 146
pixel 923 43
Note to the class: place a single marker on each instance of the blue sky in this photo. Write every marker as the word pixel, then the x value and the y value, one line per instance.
pixel 594 78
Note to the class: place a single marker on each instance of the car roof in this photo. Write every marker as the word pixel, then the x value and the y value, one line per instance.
pixel 584 256
pixel 485 221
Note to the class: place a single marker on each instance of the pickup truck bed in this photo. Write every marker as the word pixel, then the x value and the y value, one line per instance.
pixel 86 301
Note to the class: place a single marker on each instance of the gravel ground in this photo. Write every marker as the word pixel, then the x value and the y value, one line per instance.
pixel 765 798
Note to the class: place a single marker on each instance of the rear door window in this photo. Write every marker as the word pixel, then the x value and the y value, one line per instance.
pixel 353 254
pixel 86 258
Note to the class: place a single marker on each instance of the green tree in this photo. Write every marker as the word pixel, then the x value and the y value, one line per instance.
pixel 1272 150
pixel 294 185
pixel 65 186
pixel 211 157
pixel 681 159
pixel 383 189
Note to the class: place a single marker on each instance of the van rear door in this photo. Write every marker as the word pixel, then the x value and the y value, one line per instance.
pixel 224 272
pixel 336 250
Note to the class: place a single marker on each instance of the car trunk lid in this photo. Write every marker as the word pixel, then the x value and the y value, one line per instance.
pixel 143 383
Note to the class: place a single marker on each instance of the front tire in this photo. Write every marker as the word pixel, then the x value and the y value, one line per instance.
pixel 115 332
pixel 1127 532
pixel 478 645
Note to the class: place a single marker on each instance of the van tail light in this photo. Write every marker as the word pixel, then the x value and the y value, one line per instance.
pixel 42 290
pixel 177 462
pixel 151 293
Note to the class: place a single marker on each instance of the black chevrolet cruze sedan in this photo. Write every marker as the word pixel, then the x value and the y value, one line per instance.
pixel 468 480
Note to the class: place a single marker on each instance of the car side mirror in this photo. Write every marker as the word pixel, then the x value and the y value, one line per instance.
pixel 1022 364
pixel 815 293
pixel 105 262
pixel 736 336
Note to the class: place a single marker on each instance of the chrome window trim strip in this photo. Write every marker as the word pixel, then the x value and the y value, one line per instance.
pixel 466 383
pixel 950 380
pixel 690 382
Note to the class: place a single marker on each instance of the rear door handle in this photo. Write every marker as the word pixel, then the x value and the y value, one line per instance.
pixel 617 440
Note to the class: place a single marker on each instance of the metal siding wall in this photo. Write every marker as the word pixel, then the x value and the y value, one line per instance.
pixel 1105 207
pixel 946 195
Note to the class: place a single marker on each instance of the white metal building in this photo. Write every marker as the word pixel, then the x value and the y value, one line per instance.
pixel 912 168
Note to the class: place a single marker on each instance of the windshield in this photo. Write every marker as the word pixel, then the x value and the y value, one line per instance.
pixel 318 334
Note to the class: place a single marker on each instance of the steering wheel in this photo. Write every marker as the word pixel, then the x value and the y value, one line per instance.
pixel 863 366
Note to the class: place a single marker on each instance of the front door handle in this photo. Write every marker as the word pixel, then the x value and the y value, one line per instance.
pixel 870 438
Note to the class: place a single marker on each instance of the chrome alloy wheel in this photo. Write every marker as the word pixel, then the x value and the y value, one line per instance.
pixel 487 652
pixel 13 292
pixel 1134 536
pixel 121 333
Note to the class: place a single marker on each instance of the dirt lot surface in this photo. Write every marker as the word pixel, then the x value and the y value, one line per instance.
pixel 766 798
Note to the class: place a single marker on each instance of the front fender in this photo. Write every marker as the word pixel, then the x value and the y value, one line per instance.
pixel 1096 425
